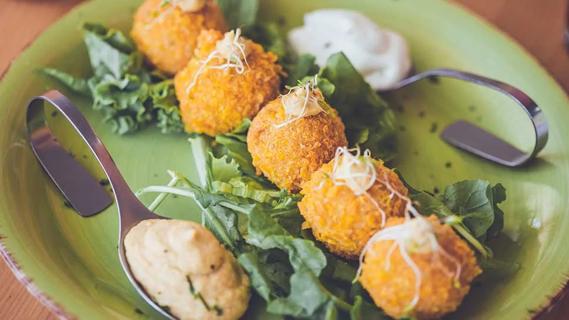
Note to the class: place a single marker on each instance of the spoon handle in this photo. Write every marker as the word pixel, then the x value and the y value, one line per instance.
pixel 476 140
pixel 131 210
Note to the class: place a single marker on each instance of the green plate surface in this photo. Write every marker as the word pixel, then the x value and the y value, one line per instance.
pixel 73 260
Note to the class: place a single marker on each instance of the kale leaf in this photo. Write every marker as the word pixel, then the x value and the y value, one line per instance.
pixel 128 93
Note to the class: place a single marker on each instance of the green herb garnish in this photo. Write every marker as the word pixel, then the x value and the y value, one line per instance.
pixel 197 295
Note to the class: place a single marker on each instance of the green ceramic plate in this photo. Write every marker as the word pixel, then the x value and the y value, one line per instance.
pixel 73 260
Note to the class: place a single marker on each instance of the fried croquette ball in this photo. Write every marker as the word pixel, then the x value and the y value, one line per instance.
pixel 229 79
pixel 183 267
pixel 167 32
pixel 290 139
pixel 422 269
pixel 341 213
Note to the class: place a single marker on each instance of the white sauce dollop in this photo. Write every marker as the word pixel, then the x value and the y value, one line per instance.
pixel 190 5
pixel 380 55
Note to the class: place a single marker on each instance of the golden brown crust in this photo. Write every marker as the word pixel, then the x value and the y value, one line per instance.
pixel 167 36
pixel 221 99
pixel 289 155
pixel 393 289
pixel 343 221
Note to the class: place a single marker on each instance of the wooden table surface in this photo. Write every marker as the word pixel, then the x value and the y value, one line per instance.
pixel 537 24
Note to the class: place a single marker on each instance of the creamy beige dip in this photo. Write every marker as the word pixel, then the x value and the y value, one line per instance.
pixel 183 267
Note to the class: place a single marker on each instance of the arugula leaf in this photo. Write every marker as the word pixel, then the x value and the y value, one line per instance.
pixel 303 66
pixel 307 294
pixel 369 121
pixel 239 13
pixel 495 269
pixel 270 36
pixel 273 38
pixel 268 279
pixel 470 207
pixel 129 95
pixel 476 201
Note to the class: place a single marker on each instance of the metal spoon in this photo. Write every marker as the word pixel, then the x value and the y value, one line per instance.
pixel 131 210
pixel 469 137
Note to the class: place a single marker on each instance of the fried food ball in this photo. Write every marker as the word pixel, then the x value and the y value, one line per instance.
pixel 289 154
pixel 167 35
pixel 182 266
pixel 217 101
pixel 391 282
pixel 342 220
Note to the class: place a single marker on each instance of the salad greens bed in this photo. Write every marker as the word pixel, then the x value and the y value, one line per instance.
pixel 260 224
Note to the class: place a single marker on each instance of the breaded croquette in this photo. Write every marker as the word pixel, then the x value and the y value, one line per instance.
pixel 228 80
pixel 418 268
pixel 287 150
pixel 347 201
pixel 166 32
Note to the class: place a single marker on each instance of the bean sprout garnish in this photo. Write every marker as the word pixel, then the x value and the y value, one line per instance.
pixel 357 172
pixel 415 235
pixel 232 50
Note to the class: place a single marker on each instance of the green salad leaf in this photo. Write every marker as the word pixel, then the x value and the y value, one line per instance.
pixel 369 121
pixel 476 202
pixel 78 85
pixel 303 66
pixel 272 37
pixel 470 207
pixel 234 146
pixel 130 95
pixel 239 13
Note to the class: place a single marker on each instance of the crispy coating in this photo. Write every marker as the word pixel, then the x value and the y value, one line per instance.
pixel 167 36
pixel 220 100
pixel 343 221
pixel 289 155
pixel 392 289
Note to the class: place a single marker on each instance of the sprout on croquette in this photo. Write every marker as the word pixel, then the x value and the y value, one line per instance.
pixel 358 173
pixel 415 235
pixel 301 101
pixel 232 50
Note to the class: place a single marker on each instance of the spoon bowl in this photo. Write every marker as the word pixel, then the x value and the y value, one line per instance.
pixel 471 138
